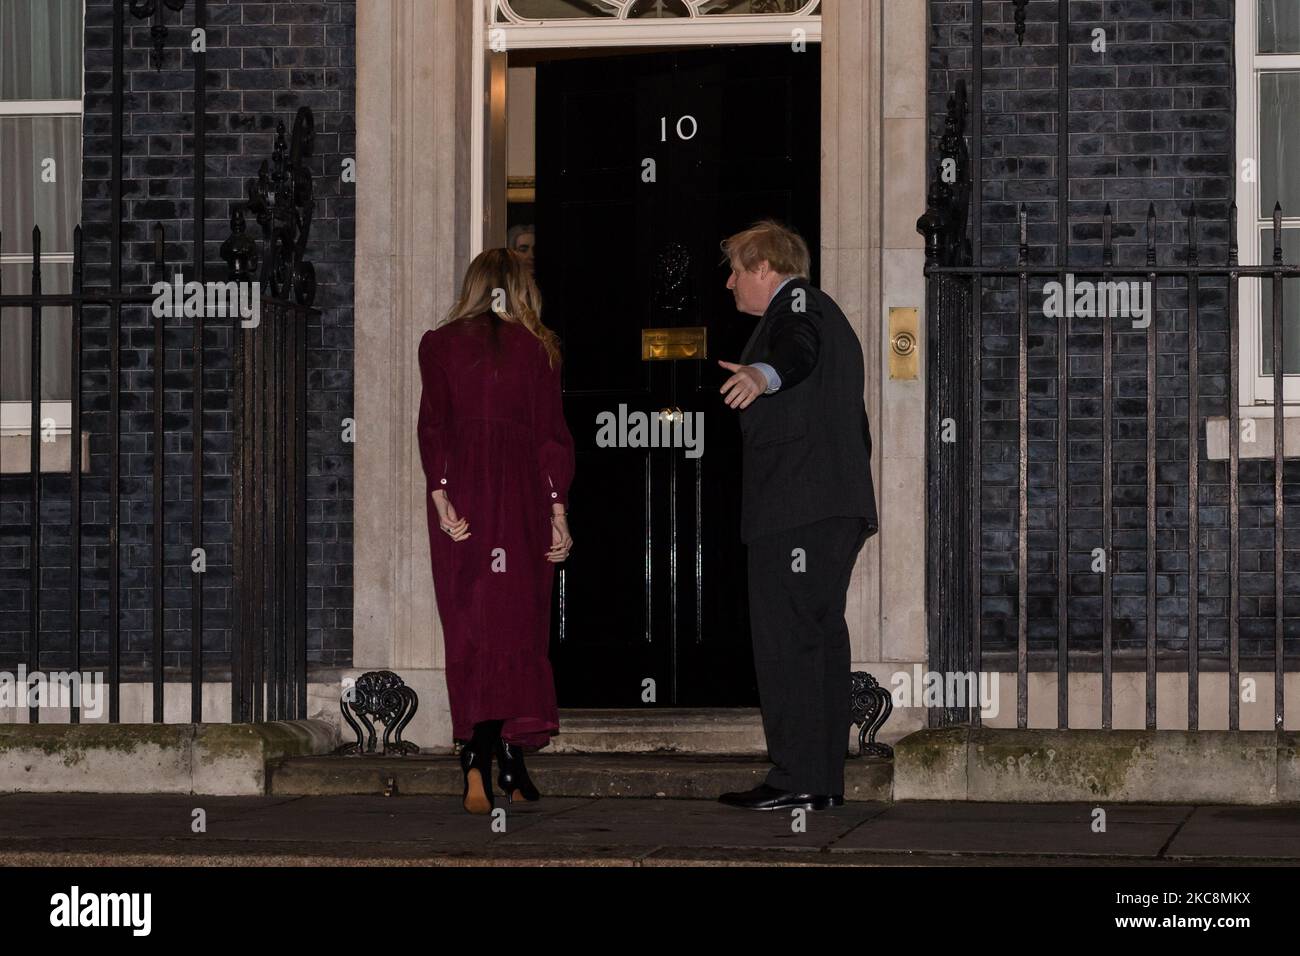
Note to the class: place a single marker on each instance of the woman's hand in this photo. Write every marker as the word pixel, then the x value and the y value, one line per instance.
pixel 561 540
pixel 450 522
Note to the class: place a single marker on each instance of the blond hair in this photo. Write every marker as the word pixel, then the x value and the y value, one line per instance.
pixel 784 249
pixel 497 271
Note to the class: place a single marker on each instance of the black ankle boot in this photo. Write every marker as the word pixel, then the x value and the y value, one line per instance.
pixel 476 767
pixel 514 777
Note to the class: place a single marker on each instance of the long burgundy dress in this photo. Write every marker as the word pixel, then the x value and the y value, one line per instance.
pixel 492 433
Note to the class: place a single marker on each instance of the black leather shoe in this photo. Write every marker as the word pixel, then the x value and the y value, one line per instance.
pixel 764 797
pixel 476 768
pixel 514 779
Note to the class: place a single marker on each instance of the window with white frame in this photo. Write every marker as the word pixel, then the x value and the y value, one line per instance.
pixel 41 85
pixel 516 11
pixel 520 24
pixel 1268 163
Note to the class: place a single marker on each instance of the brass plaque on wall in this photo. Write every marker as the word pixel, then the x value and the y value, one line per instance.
pixel 685 343
pixel 904 343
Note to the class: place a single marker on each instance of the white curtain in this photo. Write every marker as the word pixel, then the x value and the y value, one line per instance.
pixel 1279 26
pixel 40 182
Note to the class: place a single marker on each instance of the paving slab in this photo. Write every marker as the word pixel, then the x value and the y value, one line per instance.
pixel 115 816
pixel 1237 832
pixel 942 811
pixel 437 820
pixel 1060 829
pixel 691 823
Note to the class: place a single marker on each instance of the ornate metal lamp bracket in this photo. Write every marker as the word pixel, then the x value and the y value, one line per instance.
pixel 281 200
pixel 948 198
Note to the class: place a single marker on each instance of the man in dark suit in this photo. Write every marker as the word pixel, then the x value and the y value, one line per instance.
pixel 807 506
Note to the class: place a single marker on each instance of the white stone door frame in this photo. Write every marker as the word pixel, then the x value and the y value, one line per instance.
pixel 494 41
pixel 420 74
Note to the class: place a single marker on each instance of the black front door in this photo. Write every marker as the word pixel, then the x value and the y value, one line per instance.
pixel 645 162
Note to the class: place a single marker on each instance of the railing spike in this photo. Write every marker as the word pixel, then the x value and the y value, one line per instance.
pixel 1151 234
pixel 1107 249
pixel 1019 17
pixel 1232 233
pixel 1277 233
pixel 1023 216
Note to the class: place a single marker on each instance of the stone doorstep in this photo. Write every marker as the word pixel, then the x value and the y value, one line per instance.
pixel 1117 766
pixel 706 730
pixel 677 776
pixel 684 730
pixel 216 759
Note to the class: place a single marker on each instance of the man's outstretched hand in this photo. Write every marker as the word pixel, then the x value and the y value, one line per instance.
pixel 745 385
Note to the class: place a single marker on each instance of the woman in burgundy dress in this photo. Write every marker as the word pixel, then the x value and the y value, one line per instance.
pixel 498 460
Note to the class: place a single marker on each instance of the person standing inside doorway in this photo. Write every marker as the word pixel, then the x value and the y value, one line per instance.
pixel 522 240
pixel 498 460
pixel 807 506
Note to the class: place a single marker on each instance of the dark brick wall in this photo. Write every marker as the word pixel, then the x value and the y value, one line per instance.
pixel 264 60
pixel 1151 120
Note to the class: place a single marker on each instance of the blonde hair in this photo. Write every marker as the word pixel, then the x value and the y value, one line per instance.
pixel 784 249
pixel 496 271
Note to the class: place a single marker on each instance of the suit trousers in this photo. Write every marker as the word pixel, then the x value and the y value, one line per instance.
pixel 798 583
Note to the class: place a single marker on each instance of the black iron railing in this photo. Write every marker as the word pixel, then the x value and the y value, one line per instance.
pixel 269 496
pixel 267 655
pixel 958 419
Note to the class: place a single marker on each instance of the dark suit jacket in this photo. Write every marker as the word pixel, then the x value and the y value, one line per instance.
pixel 807 446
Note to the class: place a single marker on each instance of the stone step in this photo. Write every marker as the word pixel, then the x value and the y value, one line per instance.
pixel 681 776
pixel 680 730
pixel 702 730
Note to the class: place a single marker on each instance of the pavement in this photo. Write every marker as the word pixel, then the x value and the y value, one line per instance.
pixel 41 829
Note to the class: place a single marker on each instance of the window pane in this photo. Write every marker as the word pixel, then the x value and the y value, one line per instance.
pixel 738 7
pixel 40 49
pixel 657 9
pixel 16 336
pixel 27 143
pixel 1279 26
pixel 563 9
pixel 1279 143
pixel 649 9
pixel 1290 303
